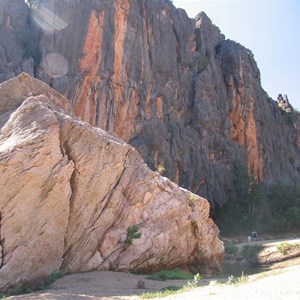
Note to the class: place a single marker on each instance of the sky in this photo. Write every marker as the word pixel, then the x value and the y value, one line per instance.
pixel 269 28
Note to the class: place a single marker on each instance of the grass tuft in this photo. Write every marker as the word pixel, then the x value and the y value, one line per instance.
pixel 171 290
pixel 284 247
pixel 243 279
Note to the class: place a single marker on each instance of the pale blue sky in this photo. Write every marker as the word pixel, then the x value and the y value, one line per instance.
pixel 270 29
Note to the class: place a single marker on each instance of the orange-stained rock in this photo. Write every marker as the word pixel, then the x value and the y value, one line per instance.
pixel 173 87
pixel 89 65
pixel 69 191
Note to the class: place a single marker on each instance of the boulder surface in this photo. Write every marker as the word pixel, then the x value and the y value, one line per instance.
pixel 70 192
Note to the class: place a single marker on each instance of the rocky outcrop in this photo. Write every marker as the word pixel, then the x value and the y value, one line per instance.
pixel 70 191
pixel 171 86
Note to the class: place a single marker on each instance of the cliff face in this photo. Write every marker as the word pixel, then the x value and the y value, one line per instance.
pixel 69 193
pixel 14 30
pixel 171 86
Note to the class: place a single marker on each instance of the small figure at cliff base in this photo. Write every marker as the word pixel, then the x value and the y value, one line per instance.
pixel 253 235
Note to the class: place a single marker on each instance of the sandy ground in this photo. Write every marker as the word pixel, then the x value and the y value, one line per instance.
pixel 268 243
pixel 281 283
pixel 99 285
pixel 285 285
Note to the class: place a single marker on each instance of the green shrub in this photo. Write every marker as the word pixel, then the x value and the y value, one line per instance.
pixel 275 210
pixel 53 277
pixel 160 169
pixel 194 282
pixel 251 250
pixel 284 247
pixel 17 290
pixel 170 274
pixel 133 232
pixel 231 249
pixel 192 199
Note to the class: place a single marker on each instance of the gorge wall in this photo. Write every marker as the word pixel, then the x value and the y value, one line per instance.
pixel 173 87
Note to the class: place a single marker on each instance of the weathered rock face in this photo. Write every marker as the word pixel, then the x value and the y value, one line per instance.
pixel 171 86
pixel 69 192
pixel 14 58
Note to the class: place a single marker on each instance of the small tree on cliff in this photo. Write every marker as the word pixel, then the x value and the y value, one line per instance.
pixel 29 2
pixel 133 232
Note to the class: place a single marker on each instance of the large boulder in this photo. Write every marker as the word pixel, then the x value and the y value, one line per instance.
pixel 70 192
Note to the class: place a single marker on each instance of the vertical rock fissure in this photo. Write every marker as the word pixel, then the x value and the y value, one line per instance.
pixel 122 247
pixel 71 202
pixel 65 151
pixel 70 254
pixel 110 194
pixel 33 43
pixel 178 55
pixel 148 29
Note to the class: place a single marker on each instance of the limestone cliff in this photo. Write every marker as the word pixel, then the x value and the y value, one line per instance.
pixel 70 191
pixel 171 86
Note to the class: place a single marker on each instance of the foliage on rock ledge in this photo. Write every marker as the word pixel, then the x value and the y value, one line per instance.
pixel 272 210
